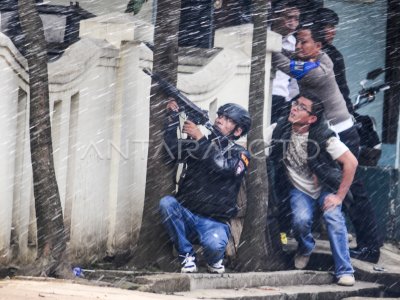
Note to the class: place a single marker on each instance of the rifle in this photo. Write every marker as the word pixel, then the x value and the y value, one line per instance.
pixel 192 111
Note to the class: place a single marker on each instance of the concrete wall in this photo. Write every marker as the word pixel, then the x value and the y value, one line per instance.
pixel 361 37
pixel 99 103
pixel 15 187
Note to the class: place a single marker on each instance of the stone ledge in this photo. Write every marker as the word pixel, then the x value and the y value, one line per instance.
pixel 13 57
pixel 117 27
pixel 212 78
pixel 175 282
pixel 326 292
pixel 240 37
pixel 79 59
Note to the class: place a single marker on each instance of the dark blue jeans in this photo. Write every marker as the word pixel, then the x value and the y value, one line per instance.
pixel 303 208
pixel 185 228
pixel 359 208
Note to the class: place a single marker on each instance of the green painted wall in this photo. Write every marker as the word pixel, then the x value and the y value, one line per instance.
pixel 361 37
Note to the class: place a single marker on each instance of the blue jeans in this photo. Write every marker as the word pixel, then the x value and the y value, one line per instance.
pixel 185 228
pixel 303 207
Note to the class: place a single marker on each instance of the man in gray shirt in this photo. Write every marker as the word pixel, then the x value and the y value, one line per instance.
pixel 313 70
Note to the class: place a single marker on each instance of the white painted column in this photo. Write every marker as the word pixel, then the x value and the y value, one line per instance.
pixel 8 134
pixel 129 157
pixel 27 222
pixel 239 38
pixel 22 118
pixel 89 215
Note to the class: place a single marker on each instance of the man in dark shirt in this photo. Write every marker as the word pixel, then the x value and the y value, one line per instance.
pixel 214 167
pixel 360 209
pixel 329 19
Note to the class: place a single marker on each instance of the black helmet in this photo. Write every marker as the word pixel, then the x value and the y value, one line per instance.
pixel 238 114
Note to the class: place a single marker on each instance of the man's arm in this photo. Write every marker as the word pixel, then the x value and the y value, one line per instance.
pixel 199 147
pixel 281 62
pixel 349 165
pixel 235 163
pixel 179 149
pixel 311 70
pixel 339 69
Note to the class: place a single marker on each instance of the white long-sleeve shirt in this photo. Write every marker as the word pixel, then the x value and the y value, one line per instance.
pixel 283 85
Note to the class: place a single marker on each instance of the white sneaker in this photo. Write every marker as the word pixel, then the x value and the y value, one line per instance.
pixel 346 280
pixel 189 264
pixel 217 267
pixel 301 261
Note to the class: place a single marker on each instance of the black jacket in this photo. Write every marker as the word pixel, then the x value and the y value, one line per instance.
pixel 212 179
pixel 339 69
pixel 320 162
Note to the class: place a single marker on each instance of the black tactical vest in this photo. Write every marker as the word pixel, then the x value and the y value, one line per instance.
pixel 320 162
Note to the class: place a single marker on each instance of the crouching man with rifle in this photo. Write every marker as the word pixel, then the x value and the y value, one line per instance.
pixel 209 185
pixel 214 167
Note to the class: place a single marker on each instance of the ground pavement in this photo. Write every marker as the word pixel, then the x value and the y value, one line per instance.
pixel 40 289
pixel 373 281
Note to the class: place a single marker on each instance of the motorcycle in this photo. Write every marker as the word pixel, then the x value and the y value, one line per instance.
pixel 370 144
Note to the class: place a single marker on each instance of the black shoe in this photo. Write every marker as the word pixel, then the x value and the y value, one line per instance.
pixel 366 254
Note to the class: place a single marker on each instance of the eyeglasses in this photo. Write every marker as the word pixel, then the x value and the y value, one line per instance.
pixel 301 107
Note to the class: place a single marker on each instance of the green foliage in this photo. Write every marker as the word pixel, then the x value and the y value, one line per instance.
pixel 134 6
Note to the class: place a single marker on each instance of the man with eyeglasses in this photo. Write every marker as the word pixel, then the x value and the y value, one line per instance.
pixel 314 72
pixel 305 156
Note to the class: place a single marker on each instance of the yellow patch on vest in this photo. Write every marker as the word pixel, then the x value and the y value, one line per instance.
pixel 245 159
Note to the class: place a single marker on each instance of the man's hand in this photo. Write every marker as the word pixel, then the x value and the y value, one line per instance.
pixel 189 127
pixel 331 201
pixel 192 130
pixel 349 166
pixel 172 105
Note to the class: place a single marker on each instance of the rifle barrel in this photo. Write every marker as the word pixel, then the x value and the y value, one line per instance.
pixel 195 113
